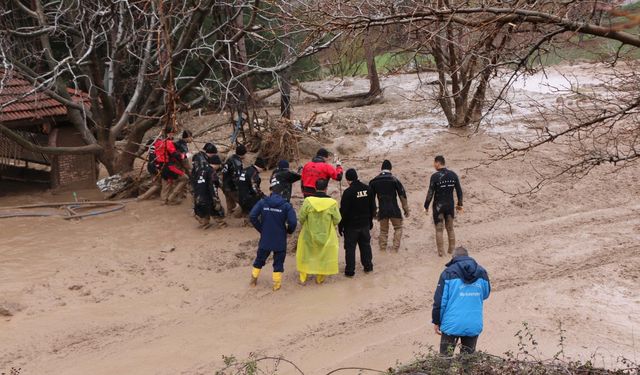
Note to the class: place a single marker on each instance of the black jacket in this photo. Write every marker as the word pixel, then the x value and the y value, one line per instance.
pixel 231 172
pixel 387 189
pixel 284 180
pixel 199 157
pixel 441 188
pixel 182 145
pixel 249 185
pixel 357 206
pixel 204 182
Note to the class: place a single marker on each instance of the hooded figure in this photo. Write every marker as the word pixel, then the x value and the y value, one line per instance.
pixel 458 302
pixel 317 252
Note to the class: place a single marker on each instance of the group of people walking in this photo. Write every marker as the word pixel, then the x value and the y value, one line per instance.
pixel 462 287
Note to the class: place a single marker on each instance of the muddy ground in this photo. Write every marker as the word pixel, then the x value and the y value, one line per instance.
pixel 143 291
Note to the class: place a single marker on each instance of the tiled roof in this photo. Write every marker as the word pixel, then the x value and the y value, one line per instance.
pixel 26 105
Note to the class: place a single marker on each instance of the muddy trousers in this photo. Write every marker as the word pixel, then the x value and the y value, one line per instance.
pixel 173 189
pixel 448 344
pixel 278 259
pixel 232 198
pixel 384 233
pixel 360 237
pixel 445 222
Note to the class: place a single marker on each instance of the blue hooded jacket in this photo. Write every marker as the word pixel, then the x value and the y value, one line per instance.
pixel 459 297
pixel 273 217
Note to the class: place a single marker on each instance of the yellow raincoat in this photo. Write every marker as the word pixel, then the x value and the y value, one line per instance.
pixel 317 252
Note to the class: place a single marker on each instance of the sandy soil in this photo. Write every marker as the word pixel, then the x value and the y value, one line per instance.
pixel 143 291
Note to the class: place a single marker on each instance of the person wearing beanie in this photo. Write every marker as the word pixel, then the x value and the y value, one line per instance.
pixel 249 191
pixel 319 169
pixel 387 189
pixel 318 245
pixel 357 208
pixel 231 172
pixel 274 218
pixel 153 168
pixel 283 179
pixel 182 144
pixel 205 184
pixel 205 154
pixel 174 168
pixel 441 186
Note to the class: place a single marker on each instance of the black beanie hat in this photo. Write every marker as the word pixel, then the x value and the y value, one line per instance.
pixel 351 174
pixel 322 185
pixel 261 163
pixel 283 164
pixel 215 160
pixel 323 153
pixel 241 150
pixel 210 148
pixel 386 165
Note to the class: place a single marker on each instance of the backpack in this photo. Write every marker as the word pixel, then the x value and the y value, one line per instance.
pixel 163 150
pixel 152 167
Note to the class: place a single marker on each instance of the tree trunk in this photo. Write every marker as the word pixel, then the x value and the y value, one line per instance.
pixel 285 79
pixel 285 95
pixel 372 70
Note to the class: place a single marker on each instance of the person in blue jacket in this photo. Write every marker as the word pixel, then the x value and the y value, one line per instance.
pixel 458 302
pixel 274 218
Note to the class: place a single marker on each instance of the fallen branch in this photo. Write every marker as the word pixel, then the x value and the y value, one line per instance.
pixel 333 99
pixel 266 95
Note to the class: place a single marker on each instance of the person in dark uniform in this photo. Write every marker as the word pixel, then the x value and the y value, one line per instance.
pixel 182 144
pixel 387 188
pixel 230 174
pixel 284 179
pixel 274 218
pixel 205 184
pixel 153 168
pixel 357 209
pixel 208 151
pixel 441 187
pixel 249 190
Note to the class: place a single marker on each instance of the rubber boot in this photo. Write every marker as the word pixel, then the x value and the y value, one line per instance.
pixel 303 278
pixel 255 272
pixel 319 279
pixel 277 281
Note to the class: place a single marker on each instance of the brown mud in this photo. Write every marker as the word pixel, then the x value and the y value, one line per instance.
pixel 143 291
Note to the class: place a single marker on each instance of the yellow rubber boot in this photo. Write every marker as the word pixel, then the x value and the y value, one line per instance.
pixel 277 281
pixel 255 272
pixel 303 278
pixel 319 279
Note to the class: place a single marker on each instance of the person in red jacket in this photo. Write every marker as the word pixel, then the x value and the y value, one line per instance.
pixel 319 169
pixel 170 162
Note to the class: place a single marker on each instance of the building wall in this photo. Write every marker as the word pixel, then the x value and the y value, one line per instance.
pixel 71 171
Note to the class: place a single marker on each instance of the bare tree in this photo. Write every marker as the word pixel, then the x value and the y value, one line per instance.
pixel 140 61
pixel 473 43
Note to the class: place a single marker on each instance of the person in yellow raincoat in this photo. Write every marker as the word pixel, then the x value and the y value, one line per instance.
pixel 317 251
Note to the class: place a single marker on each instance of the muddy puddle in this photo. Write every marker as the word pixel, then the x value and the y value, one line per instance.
pixel 397 134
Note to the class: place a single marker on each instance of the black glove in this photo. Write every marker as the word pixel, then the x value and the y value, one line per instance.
pixel 340 231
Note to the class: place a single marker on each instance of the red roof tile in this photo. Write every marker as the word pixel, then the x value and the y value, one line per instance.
pixel 19 101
